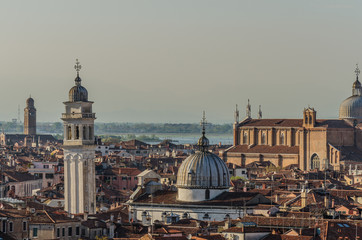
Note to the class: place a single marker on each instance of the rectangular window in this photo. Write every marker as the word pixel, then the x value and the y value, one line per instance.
pixel 46 166
pixel 24 226
pixel 58 232
pixel 77 231
pixel 70 231
pixel 10 226
pixel 49 175
pixel 63 232
pixel 83 232
pixel 35 232
pixel 4 226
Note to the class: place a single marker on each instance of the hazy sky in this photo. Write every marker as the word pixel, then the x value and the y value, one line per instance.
pixel 166 61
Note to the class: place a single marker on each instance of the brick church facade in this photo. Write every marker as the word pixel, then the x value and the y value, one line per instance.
pixel 307 143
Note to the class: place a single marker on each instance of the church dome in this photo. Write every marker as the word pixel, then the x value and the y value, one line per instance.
pixel 351 108
pixel 78 93
pixel 203 175
pixel 203 169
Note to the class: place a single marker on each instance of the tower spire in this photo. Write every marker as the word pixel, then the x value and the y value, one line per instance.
pixel 248 110
pixel 260 113
pixel 236 114
pixel 203 142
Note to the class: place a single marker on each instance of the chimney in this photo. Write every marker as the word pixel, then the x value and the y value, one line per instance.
pixel 332 203
pixel 111 218
pixel 85 216
pixel 227 222
pixel 276 198
pixel 326 201
pixel 303 196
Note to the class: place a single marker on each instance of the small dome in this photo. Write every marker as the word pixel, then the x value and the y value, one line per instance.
pixel 203 170
pixel 203 142
pixel 357 84
pixel 78 93
pixel 351 108
pixel 30 102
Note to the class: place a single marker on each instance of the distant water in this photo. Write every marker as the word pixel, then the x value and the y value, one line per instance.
pixel 192 139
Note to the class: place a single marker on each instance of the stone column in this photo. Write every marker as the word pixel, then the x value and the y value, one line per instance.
pixel 87 132
pixel 81 184
pixel 81 131
pixel 73 191
pixel 73 131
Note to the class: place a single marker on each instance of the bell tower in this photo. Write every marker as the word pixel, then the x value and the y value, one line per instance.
pixel 79 153
pixel 30 117
pixel 309 117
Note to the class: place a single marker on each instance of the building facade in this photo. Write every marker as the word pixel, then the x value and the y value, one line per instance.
pixel 308 143
pixel 79 154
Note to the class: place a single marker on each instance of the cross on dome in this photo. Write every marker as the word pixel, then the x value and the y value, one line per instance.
pixel 77 66
pixel 357 71
pixel 203 141
pixel 203 123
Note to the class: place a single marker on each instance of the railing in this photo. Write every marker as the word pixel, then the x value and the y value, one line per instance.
pixel 78 115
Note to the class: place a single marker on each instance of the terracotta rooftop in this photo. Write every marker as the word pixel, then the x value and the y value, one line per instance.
pixel 296 123
pixel 265 149
pixel 224 199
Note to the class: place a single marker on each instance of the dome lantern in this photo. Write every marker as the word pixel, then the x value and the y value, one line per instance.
pixel 356 88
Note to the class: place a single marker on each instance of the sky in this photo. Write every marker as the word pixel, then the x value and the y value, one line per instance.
pixel 167 61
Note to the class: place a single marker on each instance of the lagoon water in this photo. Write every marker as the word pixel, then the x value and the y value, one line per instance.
pixel 192 139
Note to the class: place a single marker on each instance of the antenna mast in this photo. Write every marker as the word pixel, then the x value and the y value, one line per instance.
pixel 19 113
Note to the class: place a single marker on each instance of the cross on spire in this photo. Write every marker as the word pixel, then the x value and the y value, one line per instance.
pixel 203 123
pixel 357 71
pixel 77 66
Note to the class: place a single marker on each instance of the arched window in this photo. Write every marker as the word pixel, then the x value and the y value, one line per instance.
pixel 315 162
pixel 263 138
pixel 332 157
pixel 84 133
pixel 90 134
pixel 207 194
pixel 336 157
pixel 282 138
pixel 77 132
pixel 245 138
pixel 306 120
pixel 69 132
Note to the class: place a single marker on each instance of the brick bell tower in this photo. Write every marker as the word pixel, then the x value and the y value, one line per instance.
pixel 79 151
pixel 30 117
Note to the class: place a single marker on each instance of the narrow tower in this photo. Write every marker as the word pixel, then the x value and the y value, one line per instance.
pixel 248 110
pixel 235 126
pixel 79 167
pixel 30 117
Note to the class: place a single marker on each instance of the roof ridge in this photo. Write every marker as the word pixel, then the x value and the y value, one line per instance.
pixel 49 216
